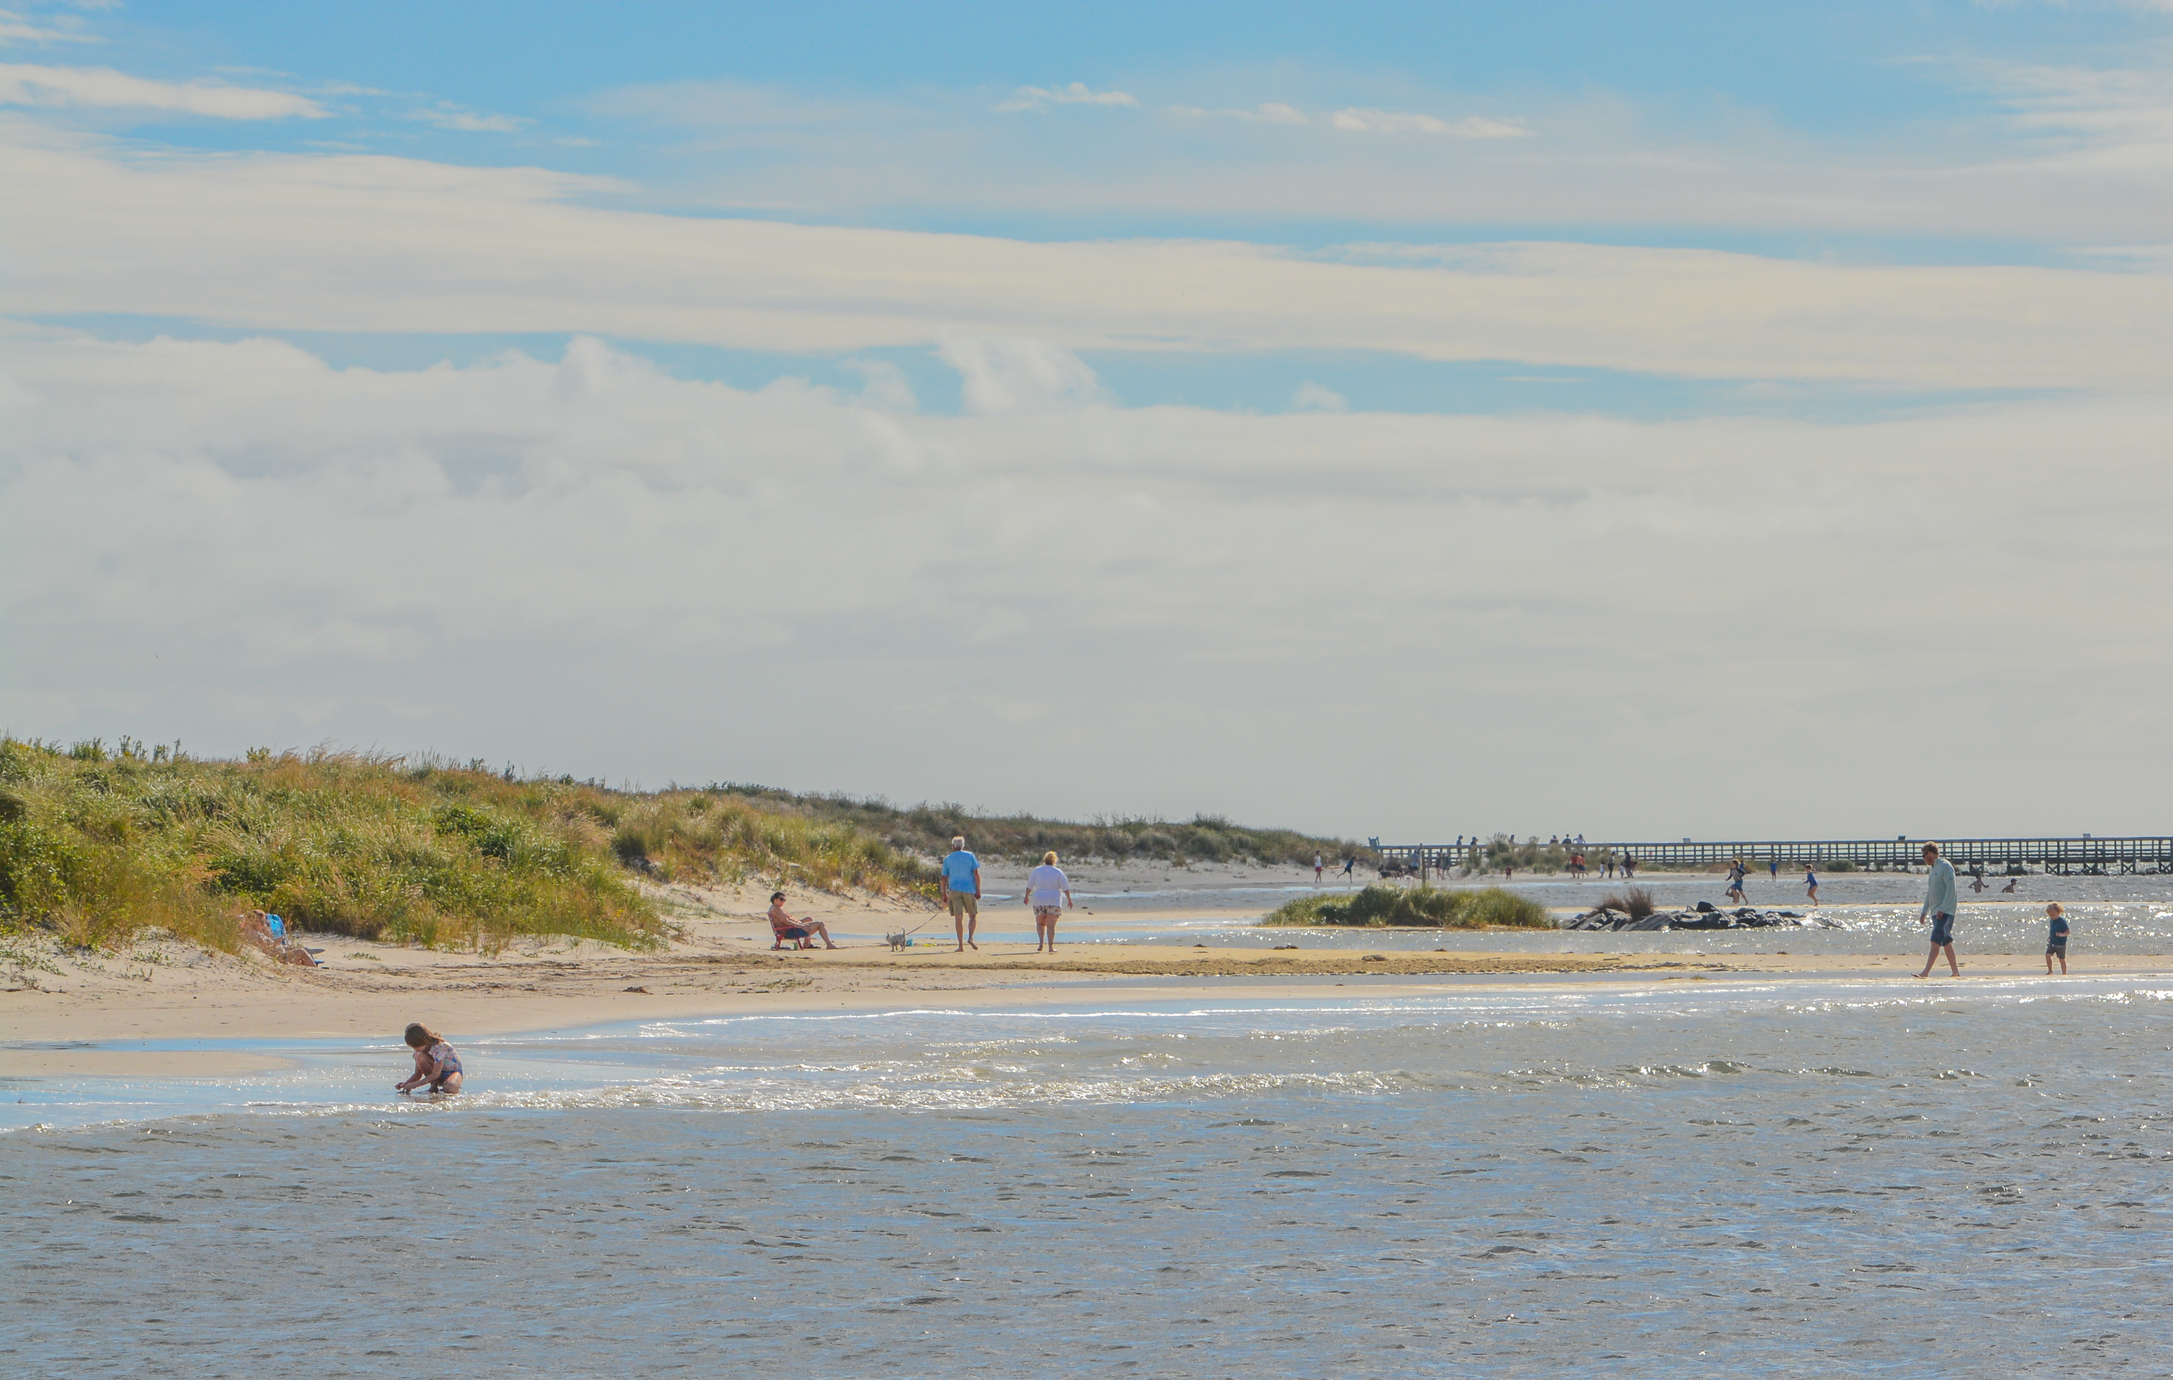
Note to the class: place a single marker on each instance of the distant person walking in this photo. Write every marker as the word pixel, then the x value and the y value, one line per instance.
pixel 1773 864
pixel 1318 868
pixel 1942 904
pixel 1736 872
pixel 1609 863
pixel 1046 886
pixel 2056 942
pixel 962 891
pixel 1629 867
pixel 1810 883
pixel 1349 869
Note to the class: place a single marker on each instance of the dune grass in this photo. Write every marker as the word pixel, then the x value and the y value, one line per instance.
pixel 1635 902
pixel 928 829
pixel 98 845
pixel 1423 906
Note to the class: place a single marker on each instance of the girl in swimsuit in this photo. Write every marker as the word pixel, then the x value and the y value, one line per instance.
pixel 435 1062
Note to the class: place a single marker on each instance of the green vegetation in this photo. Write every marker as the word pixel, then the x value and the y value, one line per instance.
pixel 1635 902
pixel 1503 851
pixel 97 845
pixel 928 830
pixel 1424 906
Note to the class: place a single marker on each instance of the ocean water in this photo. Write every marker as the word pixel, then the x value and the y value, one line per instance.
pixel 1620 1178
pixel 1864 928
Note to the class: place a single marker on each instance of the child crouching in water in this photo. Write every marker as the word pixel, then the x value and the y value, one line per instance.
pixel 435 1062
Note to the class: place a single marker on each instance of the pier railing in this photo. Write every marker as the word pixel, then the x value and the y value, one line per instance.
pixel 2084 856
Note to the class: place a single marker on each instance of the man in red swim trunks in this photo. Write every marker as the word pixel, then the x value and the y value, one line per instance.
pixel 799 931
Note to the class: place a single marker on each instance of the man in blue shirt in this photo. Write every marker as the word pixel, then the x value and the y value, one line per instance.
pixel 962 891
pixel 1941 902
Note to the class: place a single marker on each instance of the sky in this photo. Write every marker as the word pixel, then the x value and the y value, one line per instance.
pixel 1399 421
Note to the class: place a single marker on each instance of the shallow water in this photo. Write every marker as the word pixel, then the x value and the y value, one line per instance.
pixel 1729 1178
pixel 2099 927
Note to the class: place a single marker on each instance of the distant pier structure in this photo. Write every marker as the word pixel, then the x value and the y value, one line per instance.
pixel 2066 857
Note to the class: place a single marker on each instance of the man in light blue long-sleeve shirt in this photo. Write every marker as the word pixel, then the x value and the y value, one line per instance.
pixel 1941 902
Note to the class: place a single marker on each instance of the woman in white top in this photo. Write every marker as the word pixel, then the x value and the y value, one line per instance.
pixel 1046 885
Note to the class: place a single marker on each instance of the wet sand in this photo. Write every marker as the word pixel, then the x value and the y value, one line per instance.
pixel 161 991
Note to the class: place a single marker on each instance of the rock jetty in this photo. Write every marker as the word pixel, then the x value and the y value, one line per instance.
pixel 1703 916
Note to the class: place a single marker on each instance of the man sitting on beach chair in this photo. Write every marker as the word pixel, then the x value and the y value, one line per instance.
pixel 801 931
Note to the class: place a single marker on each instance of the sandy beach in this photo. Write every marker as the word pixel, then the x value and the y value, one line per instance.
pixel 54 1001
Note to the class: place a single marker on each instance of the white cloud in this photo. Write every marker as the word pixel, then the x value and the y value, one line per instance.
pixel 1402 122
pixel 469 121
pixel 589 565
pixel 105 89
pixel 1002 376
pixel 1078 93
pixel 1271 113
pixel 1314 397
pixel 381 244
pixel 1590 159
pixel 884 385
pixel 16 27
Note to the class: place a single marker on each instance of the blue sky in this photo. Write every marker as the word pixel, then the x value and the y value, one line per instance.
pixel 1329 373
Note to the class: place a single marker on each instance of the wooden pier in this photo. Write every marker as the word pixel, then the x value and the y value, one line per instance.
pixel 2065 857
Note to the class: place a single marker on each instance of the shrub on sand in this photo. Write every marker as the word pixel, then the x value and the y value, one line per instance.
pixel 1424 907
pixel 1635 902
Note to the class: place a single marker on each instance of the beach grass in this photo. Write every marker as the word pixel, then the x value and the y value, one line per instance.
pixel 928 829
pixel 1635 902
pixel 99 845
pixel 1422 907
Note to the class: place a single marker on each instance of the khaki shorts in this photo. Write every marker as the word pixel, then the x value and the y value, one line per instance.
pixel 963 904
pixel 1047 912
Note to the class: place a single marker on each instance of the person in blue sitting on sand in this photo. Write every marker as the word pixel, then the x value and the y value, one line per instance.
pixel 1942 903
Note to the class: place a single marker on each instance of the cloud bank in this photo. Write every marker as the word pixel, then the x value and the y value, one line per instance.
pixel 1326 618
pixel 381 244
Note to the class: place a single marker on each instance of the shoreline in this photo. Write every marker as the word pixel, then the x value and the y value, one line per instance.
pixel 719 964
pixel 60 1033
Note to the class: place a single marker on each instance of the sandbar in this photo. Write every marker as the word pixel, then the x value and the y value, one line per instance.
pixel 721 965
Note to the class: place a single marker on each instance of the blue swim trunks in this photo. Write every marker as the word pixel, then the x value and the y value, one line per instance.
pixel 1942 930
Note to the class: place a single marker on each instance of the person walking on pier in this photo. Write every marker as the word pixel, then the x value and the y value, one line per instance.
pixel 1942 903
